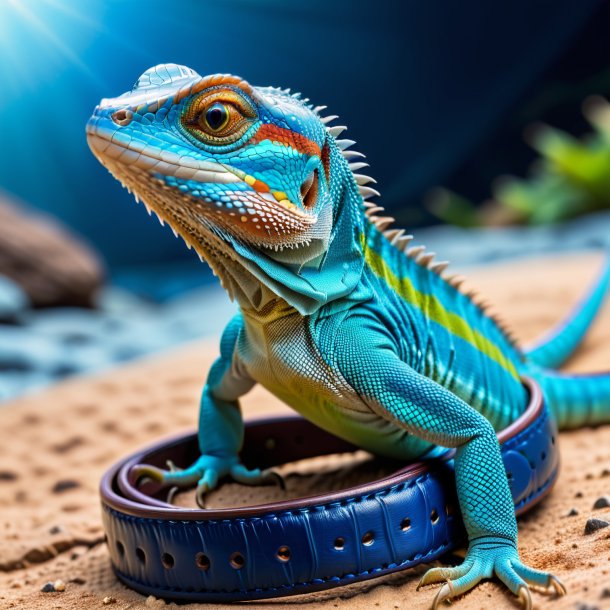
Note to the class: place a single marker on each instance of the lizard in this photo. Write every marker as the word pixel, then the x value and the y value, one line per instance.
pixel 339 314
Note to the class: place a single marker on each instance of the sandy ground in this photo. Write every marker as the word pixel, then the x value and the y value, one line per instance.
pixel 56 444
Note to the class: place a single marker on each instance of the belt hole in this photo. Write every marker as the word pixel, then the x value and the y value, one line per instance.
pixel 202 561
pixel 405 524
pixel 283 553
pixel 120 548
pixel 167 560
pixel 368 539
pixel 543 456
pixel 237 560
pixel 339 544
pixel 141 555
pixel 434 516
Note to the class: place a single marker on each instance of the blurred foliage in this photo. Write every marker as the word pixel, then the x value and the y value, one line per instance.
pixel 570 178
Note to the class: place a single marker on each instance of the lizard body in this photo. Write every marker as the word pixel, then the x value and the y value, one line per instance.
pixel 339 316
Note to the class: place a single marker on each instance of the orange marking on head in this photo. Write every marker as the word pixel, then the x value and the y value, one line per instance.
pixel 260 187
pixel 287 137
pixel 212 81
pixel 326 161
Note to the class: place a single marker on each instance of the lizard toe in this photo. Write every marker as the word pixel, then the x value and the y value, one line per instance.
pixel 243 475
pixel 443 574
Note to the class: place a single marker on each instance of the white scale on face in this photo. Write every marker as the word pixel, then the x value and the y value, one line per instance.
pixel 165 75
pixel 156 83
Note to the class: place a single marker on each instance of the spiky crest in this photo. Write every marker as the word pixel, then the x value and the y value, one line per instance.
pixel 396 236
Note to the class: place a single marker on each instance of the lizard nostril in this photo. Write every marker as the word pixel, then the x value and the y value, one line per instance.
pixel 122 117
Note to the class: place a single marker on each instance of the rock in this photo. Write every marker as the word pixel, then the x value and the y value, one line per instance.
pixel 573 512
pixel 13 300
pixel 601 502
pixel 54 587
pixel 52 266
pixel 154 602
pixel 593 525
pixel 108 600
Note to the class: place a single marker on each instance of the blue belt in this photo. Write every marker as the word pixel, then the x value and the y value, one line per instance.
pixel 307 544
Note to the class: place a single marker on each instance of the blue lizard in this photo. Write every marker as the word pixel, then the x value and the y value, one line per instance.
pixel 339 315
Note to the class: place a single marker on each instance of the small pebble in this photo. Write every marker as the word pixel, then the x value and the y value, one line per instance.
pixel 153 602
pixel 108 600
pixel 48 588
pixel 593 525
pixel 578 494
pixel 602 502
pixel 59 585
pixel 605 593
pixel 64 485
pixel 573 512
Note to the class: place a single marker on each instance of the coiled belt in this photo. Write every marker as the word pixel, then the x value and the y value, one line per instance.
pixel 306 544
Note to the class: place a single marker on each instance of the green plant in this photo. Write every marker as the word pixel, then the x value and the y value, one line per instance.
pixel 570 178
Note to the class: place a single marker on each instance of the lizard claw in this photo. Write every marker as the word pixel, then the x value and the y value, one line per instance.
pixel 141 472
pixel 436 575
pixel 525 597
pixel 446 592
pixel 557 586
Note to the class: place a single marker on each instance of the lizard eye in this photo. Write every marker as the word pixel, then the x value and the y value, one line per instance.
pixel 218 117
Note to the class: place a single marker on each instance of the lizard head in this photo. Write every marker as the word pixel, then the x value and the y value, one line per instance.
pixel 249 177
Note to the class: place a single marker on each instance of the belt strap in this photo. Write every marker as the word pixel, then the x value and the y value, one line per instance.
pixel 307 544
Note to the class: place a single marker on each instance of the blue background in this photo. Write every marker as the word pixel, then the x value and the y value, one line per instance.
pixel 420 84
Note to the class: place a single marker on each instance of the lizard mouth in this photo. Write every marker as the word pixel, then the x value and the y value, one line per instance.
pixel 121 154
pixel 257 215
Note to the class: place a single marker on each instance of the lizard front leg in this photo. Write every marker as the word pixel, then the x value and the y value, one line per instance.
pixel 221 428
pixel 428 410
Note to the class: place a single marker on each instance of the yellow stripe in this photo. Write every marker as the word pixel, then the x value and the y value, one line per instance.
pixel 432 308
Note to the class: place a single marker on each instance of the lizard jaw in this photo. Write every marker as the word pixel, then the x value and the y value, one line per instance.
pixel 143 173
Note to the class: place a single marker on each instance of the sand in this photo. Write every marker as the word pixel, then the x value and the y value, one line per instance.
pixel 56 444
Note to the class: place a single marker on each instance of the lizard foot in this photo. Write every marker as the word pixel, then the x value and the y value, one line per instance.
pixel 205 474
pixel 484 559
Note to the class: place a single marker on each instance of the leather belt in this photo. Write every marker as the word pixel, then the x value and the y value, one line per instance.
pixel 306 544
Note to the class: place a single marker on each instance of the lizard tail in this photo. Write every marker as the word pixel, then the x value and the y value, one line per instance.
pixel 577 400
pixel 558 345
